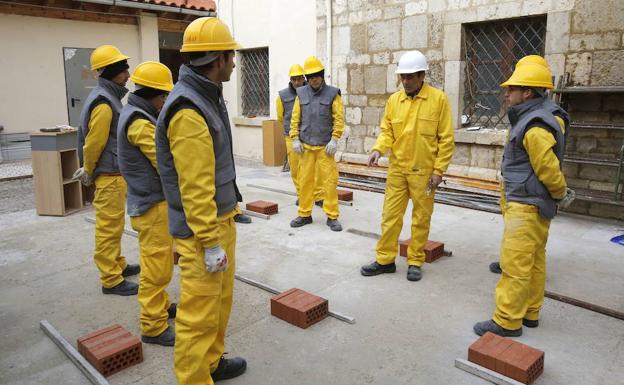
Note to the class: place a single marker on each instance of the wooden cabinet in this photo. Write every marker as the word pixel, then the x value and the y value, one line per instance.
pixel 54 161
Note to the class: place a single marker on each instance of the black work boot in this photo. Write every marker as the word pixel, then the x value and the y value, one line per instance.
pixel 229 368
pixel 319 203
pixel 334 225
pixel 495 268
pixel 300 221
pixel 376 269
pixel 131 270
pixel 530 323
pixel 172 310
pixel 414 273
pixel 490 326
pixel 125 288
pixel 242 218
pixel 166 338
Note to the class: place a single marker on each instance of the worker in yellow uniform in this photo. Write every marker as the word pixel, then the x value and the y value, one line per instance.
pixel 284 105
pixel 316 125
pixel 147 207
pixel 196 165
pixel 533 187
pixel 97 148
pixel 563 118
pixel 416 128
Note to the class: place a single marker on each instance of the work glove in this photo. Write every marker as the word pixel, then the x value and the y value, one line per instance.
pixel 215 259
pixel 83 177
pixel 297 146
pixel 331 147
pixel 567 200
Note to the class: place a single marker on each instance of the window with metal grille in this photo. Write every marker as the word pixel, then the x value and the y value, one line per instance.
pixel 254 65
pixel 491 49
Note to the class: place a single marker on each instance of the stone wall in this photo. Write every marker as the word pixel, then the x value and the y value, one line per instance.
pixel 584 38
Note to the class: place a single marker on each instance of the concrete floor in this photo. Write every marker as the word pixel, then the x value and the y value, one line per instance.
pixel 405 332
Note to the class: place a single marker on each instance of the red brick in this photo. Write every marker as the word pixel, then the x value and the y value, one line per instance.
pixel 299 307
pixel 345 195
pixel 433 250
pixel 507 357
pixel 111 349
pixel 262 207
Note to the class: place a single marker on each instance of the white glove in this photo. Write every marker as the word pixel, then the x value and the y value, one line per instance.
pixel 331 147
pixel 297 146
pixel 215 259
pixel 567 200
pixel 83 177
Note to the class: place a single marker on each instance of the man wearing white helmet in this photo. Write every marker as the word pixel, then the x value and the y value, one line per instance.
pixel 416 128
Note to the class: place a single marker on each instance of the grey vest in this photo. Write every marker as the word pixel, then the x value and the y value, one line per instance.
pixel 111 94
pixel 316 114
pixel 197 92
pixel 144 187
pixel 288 96
pixel 521 183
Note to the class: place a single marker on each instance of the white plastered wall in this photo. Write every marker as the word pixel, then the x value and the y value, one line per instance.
pixel 32 77
pixel 288 29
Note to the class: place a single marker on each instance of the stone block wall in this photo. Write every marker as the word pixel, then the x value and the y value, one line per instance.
pixel 584 38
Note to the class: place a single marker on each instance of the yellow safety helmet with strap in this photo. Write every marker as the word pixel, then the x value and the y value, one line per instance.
pixel 533 59
pixel 208 34
pixel 154 75
pixel 312 65
pixel 295 70
pixel 106 55
pixel 530 75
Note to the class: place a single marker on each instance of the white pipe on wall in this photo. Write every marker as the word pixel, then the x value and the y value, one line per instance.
pixel 328 36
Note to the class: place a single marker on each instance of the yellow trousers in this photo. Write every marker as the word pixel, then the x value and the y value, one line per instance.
pixel 400 187
pixel 520 290
pixel 110 210
pixel 156 259
pixel 293 162
pixel 315 162
pixel 204 307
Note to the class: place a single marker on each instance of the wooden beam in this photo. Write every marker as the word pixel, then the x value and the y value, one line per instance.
pixel 24 9
pixel 168 25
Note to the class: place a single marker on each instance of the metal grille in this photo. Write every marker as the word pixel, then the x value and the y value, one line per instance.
pixel 255 82
pixel 491 50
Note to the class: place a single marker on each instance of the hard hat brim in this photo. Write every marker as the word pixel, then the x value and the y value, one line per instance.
pixel 114 60
pixel 410 71
pixel 210 47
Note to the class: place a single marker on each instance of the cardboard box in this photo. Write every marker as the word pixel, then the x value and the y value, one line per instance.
pixel 273 144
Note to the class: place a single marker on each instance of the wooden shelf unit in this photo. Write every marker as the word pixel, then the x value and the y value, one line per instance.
pixel 54 161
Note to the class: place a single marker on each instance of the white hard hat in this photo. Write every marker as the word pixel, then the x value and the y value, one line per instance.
pixel 412 62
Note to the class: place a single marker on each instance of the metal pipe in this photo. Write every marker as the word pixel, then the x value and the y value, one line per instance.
pixel 151 7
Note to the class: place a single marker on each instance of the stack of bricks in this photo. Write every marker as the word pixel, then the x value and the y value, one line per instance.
pixel 507 357
pixel 345 195
pixel 111 349
pixel 262 207
pixel 433 249
pixel 299 307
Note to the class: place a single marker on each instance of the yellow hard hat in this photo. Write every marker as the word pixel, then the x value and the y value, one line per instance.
pixel 154 75
pixel 312 65
pixel 530 75
pixel 533 59
pixel 106 55
pixel 208 34
pixel 295 70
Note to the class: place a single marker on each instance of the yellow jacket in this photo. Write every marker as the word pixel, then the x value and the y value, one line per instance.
pixel 418 131
pixel 193 154
pixel 141 135
pixel 99 129
pixel 279 106
pixel 337 115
